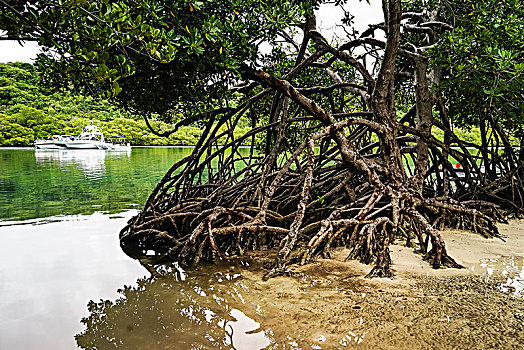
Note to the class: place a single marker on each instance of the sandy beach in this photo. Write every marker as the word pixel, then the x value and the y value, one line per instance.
pixel 330 305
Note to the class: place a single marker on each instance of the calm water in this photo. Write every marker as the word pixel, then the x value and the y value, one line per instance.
pixel 64 281
pixel 43 183
pixel 60 214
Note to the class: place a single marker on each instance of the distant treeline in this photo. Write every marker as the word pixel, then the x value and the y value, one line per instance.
pixel 29 111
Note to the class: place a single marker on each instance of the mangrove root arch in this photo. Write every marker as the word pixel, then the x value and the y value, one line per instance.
pixel 329 175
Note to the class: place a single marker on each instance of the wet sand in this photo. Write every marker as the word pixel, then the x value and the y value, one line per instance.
pixel 330 305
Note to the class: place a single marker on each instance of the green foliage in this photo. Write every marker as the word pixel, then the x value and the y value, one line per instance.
pixel 483 58
pixel 30 113
pixel 161 57
pixel 175 59
pixel 471 134
pixel 14 134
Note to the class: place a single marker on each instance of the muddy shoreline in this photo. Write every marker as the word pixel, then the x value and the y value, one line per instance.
pixel 328 304
pixel 424 312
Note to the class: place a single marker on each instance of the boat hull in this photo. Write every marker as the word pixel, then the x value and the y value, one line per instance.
pixel 114 147
pixel 48 145
pixel 83 144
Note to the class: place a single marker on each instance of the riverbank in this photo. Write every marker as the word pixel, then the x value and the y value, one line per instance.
pixel 334 306
pixel 327 304
pixel 330 305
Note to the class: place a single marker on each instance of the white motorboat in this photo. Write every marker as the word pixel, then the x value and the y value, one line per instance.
pixel 63 139
pixel 91 137
pixel 117 143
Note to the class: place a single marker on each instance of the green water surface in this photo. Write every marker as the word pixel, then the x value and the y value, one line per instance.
pixel 43 183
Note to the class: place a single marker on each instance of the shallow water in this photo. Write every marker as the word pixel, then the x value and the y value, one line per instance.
pixel 206 309
pixel 511 270
pixel 49 272
pixel 228 306
pixel 60 214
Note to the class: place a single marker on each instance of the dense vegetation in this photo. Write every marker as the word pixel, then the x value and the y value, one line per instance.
pixel 374 103
pixel 28 110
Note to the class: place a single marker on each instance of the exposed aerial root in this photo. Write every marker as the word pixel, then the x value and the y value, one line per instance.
pixel 301 203
pixel 307 216
pixel 438 254
pixel 382 267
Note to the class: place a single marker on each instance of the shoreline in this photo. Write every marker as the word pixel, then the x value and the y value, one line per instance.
pixel 329 304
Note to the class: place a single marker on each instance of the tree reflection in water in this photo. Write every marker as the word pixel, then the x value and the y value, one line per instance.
pixel 170 311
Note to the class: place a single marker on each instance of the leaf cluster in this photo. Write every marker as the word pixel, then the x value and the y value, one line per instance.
pixel 153 57
pixel 483 59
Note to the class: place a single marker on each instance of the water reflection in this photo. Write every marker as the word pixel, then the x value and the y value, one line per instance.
pixel 49 272
pixel 170 311
pixel 512 268
pixel 90 161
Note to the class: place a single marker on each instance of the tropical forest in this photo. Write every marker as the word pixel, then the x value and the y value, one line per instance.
pixel 29 110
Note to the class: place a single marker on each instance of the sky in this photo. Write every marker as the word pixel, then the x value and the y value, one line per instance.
pixel 11 51
pixel 327 16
